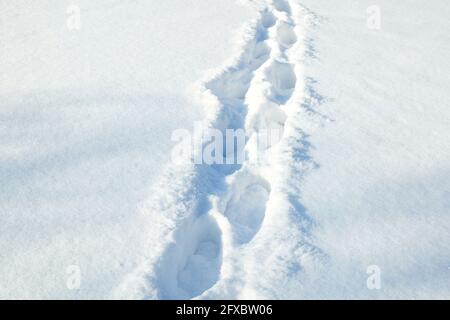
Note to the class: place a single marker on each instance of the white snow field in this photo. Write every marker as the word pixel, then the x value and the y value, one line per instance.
pixel 86 118
pixel 352 200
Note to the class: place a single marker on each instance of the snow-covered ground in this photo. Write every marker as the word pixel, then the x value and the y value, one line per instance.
pixel 351 200
pixel 86 118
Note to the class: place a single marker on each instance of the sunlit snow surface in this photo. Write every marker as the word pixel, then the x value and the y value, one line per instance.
pixel 359 180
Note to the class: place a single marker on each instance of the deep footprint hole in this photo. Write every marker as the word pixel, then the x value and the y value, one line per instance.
pixel 286 35
pixel 246 211
pixel 282 6
pixel 283 79
pixel 268 19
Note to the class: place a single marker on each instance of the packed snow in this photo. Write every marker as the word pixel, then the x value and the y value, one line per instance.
pixel 349 199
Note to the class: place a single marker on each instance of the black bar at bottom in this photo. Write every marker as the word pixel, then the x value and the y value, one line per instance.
pixel 225 309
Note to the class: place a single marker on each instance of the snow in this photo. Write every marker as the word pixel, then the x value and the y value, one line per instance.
pixel 354 181
pixel 86 118
pixel 380 194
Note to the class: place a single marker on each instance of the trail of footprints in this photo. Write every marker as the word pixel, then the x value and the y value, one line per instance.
pixel 245 203
pixel 267 72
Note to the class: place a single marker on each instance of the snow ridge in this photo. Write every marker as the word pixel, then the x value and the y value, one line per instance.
pixel 224 226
